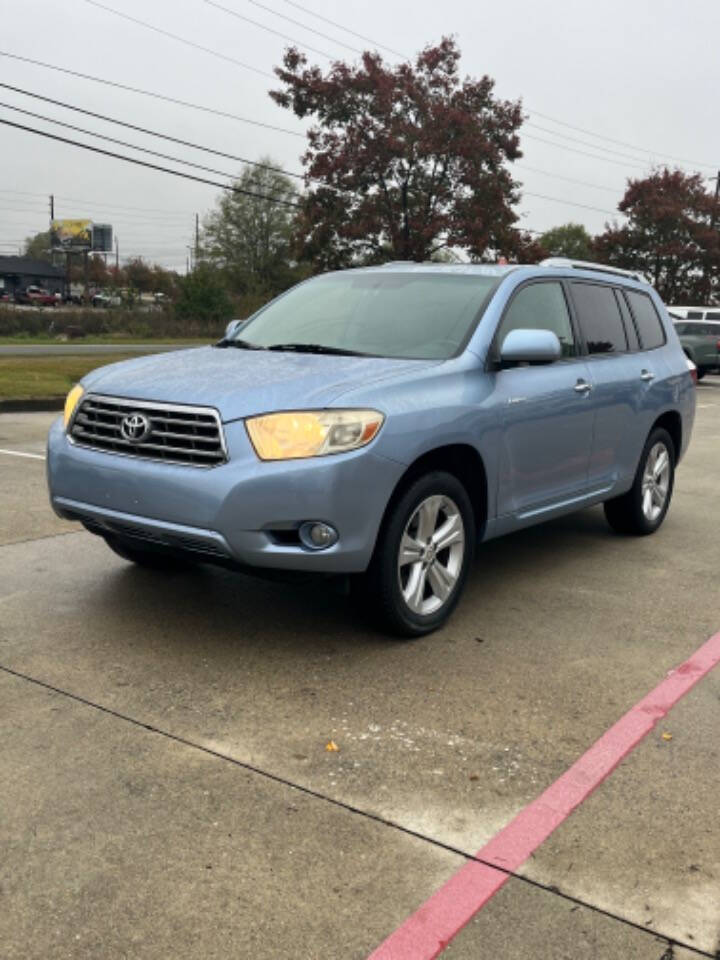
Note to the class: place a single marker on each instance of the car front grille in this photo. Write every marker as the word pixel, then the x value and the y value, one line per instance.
pixel 154 431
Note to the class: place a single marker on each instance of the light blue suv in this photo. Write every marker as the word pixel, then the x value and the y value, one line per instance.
pixel 382 423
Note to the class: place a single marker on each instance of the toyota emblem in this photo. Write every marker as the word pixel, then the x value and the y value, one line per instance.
pixel 134 427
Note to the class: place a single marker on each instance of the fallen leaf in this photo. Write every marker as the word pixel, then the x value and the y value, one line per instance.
pixel 474 776
pixel 331 746
pixel 667 736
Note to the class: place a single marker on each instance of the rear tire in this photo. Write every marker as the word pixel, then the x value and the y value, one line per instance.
pixel 149 558
pixel 642 509
pixel 422 557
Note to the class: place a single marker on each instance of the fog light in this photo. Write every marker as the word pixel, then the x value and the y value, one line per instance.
pixel 318 536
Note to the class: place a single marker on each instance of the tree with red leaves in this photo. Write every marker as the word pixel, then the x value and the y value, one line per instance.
pixel 671 235
pixel 403 161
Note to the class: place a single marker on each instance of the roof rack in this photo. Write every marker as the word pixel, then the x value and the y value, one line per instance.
pixel 596 267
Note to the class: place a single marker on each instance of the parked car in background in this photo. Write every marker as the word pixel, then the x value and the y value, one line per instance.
pixel 701 343
pixel 695 313
pixel 105 299
pixel 36 296
pixel 383 422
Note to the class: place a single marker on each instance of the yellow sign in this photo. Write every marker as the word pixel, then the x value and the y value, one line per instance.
pixel 72 234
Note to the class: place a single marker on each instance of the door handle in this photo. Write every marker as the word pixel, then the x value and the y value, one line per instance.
pixel 582 386
pixel 647 376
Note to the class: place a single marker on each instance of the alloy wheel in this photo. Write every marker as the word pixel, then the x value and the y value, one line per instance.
pixel 430 557
pixel 655 482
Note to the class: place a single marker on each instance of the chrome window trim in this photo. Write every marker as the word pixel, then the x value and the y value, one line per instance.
pixel 134 404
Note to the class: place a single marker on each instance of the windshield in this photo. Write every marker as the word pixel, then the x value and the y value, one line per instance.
pixel 406 315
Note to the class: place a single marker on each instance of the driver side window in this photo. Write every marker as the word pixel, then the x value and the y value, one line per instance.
pixel 540 306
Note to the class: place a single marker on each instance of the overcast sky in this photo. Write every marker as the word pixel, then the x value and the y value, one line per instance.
pixel 642 72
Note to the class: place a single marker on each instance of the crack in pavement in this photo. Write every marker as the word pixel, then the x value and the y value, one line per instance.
pixel 368 815
pixel 47 536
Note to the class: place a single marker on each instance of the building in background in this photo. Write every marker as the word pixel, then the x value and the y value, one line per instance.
pixel 17 273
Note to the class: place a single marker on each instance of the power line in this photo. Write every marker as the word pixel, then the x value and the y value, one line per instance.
pixel 572 203
pixel 121 143
pixel 152 133
pixel 132 213
pixel 622 143
pixel 214 183
pixel 304 26
pixel 339 26
pixel 187 143
pixel 150 166
pixel 584 153
pixel 262 26
pixel 150 93
pixel 175 36
pixel 595 146
pixel 559 176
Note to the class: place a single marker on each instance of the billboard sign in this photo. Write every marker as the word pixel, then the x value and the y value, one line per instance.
pixel 71 235
pixel 102 238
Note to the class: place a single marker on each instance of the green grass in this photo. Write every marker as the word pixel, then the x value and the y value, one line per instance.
pixel 27 377
pixel 24 339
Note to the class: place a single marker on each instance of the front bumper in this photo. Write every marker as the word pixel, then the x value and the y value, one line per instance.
pixel 230 512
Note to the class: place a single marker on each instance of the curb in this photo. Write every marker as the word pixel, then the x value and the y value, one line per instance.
pixel 32 405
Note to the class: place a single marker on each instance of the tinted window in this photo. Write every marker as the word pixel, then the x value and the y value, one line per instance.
pixel 630 332
pixel 694 314
pixel 712 315
pixel 600 319
pixel 682 328
pixel 540 306
pixel 421 315
pixel 647 320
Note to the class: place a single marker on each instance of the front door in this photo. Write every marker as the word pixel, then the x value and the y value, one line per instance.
pixel 547 415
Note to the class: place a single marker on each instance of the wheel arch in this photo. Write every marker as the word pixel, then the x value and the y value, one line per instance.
pixel 672 422
pixel 460 459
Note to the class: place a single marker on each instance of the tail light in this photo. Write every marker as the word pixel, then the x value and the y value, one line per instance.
pixel 718 346
pixel 693 370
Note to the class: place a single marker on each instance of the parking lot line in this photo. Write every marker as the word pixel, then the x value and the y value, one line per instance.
pixel 426 933
pixel 19 453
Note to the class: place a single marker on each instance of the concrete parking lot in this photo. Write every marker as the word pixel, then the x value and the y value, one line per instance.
pixel 167 790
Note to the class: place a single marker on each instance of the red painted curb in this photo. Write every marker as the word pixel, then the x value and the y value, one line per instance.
pixel 426 933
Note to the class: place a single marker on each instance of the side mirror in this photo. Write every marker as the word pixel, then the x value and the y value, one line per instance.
pixel 234 327
pixel 530 346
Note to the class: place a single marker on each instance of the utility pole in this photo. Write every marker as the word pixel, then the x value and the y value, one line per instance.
pixel 52 217
pixel 707 281
pixel 197 239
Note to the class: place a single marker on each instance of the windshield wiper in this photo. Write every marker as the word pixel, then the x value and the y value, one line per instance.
pixel 317 348
pixel 240 344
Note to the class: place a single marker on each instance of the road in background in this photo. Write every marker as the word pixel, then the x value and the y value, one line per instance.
pixel 78 349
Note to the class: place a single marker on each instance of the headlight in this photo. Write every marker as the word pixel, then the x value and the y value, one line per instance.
pixel 312 433
pixel 72 400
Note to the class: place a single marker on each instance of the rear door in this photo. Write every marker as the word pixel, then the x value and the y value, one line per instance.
pixel 547 419
pixel 615 374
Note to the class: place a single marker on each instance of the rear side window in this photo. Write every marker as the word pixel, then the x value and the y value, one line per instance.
pixel 695 314
pixel 599 317
pixel 630 332
pixel 540 306
pixel 647 320
pixel 712 315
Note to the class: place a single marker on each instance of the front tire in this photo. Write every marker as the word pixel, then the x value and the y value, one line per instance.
pixel 642 509
pixel 422 557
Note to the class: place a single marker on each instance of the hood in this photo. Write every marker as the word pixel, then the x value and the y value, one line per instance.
pixel 241 383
